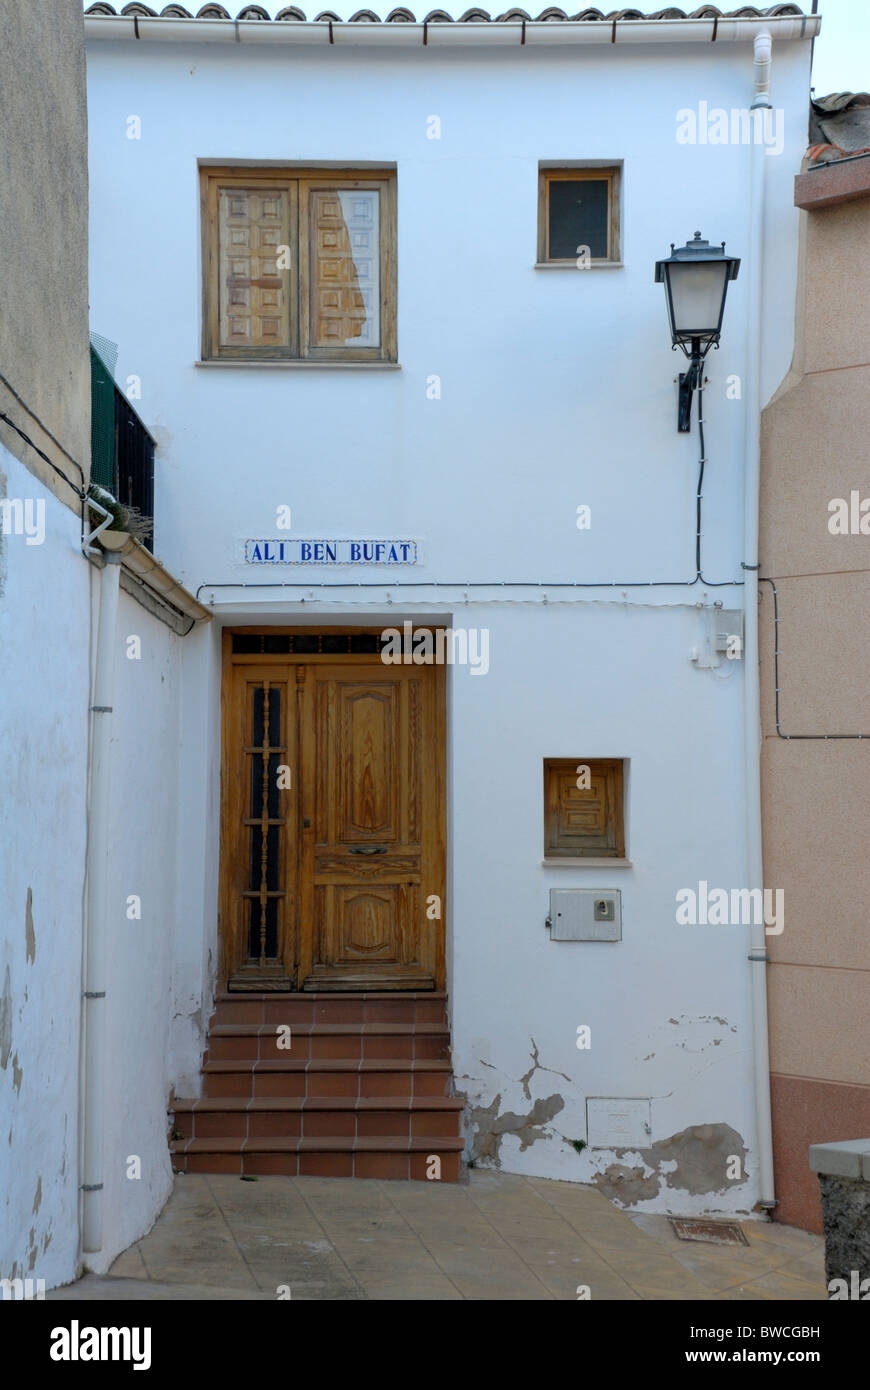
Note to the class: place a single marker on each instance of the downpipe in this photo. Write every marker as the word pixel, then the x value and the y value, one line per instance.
pixel 97 928
pixel 751 716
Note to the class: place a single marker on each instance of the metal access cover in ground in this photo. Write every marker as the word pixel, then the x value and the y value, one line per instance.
pixel 716 1232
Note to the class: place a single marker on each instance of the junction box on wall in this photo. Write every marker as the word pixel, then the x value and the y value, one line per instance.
pixel 585 914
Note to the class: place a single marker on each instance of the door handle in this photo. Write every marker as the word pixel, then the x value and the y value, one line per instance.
pixel 369 849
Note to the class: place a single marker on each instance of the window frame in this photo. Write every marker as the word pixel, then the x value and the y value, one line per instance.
pixel 611 174
pixel 614 771
pixel 300 181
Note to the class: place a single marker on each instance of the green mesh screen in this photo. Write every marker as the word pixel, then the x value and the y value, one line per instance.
pixel 102 422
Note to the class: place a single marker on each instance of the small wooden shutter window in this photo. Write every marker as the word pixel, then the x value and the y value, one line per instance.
pixel 582 821
pixel 579 208
pixel 254 233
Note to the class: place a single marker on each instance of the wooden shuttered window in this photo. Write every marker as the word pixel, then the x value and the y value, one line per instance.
pixel 298 266
pixel 583 820
pixel 255 288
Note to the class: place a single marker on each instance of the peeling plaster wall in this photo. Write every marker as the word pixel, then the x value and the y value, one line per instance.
pixel 668 1006
pixel 43 770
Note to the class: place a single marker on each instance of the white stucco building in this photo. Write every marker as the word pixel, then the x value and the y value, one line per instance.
pixel 393 283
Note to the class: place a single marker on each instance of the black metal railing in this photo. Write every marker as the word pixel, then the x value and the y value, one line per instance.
pixel 122 450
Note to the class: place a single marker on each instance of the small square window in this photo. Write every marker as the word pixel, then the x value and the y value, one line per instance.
pixel 584 815
pixel 578 215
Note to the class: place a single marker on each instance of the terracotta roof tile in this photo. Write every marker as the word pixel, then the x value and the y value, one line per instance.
pixel 400 15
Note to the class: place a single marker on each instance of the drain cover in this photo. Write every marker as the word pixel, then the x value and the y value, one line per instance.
pixel 716 1232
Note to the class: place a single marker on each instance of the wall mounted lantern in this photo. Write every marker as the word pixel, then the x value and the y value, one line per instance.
pixel 696 279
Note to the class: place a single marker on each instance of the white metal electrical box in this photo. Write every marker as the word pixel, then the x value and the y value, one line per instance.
pixel 728 632
pixel 585 914
pixel 618 1123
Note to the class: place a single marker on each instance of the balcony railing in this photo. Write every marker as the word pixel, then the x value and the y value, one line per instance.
pixel 122 450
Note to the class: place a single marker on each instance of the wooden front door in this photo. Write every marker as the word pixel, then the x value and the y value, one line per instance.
pixel 333 842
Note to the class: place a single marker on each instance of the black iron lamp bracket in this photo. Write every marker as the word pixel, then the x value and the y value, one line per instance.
pixel 689 383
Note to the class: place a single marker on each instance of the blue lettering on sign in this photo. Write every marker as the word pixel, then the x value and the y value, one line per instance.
pixel 264 551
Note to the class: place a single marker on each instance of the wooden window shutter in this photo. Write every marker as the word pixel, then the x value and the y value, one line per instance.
pixel 345 254
pixel 254 309
pixel 583 821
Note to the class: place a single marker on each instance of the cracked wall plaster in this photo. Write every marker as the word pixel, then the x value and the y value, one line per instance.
pixel 491 1127
pixel 29 933
pixel 695 1160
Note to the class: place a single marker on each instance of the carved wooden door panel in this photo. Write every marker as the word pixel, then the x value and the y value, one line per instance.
pixel 372 841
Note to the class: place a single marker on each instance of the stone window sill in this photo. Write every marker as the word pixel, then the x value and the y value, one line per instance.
pixel 583 863
pixel 572 265
pixel 295 365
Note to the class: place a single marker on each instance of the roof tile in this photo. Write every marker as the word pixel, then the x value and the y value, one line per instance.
pixel 400 15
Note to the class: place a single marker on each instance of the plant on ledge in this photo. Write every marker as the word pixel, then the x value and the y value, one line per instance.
pixel 124 518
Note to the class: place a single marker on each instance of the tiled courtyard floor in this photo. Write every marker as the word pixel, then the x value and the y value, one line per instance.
pixel 500 1236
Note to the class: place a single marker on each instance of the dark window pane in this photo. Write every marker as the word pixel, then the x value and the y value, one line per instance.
pixel 258 730
pixel 273 805
pixel 277 644
pixel 257 725
pixel 578 217
pixel 274 716
pixel 364 642
pixel 271 857
pixel 306 644
pixel 246 644
pixel 333 643
pixel 271 924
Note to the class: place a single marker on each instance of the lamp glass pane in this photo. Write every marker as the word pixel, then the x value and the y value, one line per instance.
pixel 697 292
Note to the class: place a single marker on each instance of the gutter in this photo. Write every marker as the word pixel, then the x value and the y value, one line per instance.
pixel 147 573
pixel 476 34
pixel 752 701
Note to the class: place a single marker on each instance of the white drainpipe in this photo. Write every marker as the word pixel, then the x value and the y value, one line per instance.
pixel 97 908
pixel 751 721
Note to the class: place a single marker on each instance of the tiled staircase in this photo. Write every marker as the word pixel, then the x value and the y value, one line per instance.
pixel 364 1089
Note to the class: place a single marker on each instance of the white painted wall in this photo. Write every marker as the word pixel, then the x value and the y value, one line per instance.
pixel 195 917
pixel 557 389
pixel 45 593
pixel 43 771
pixel 668 1006
pixel 142 855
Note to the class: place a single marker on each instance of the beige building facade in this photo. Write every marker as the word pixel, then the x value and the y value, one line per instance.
pixel 815 672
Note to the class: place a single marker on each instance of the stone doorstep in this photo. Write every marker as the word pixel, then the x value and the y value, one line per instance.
pixel 848 1158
